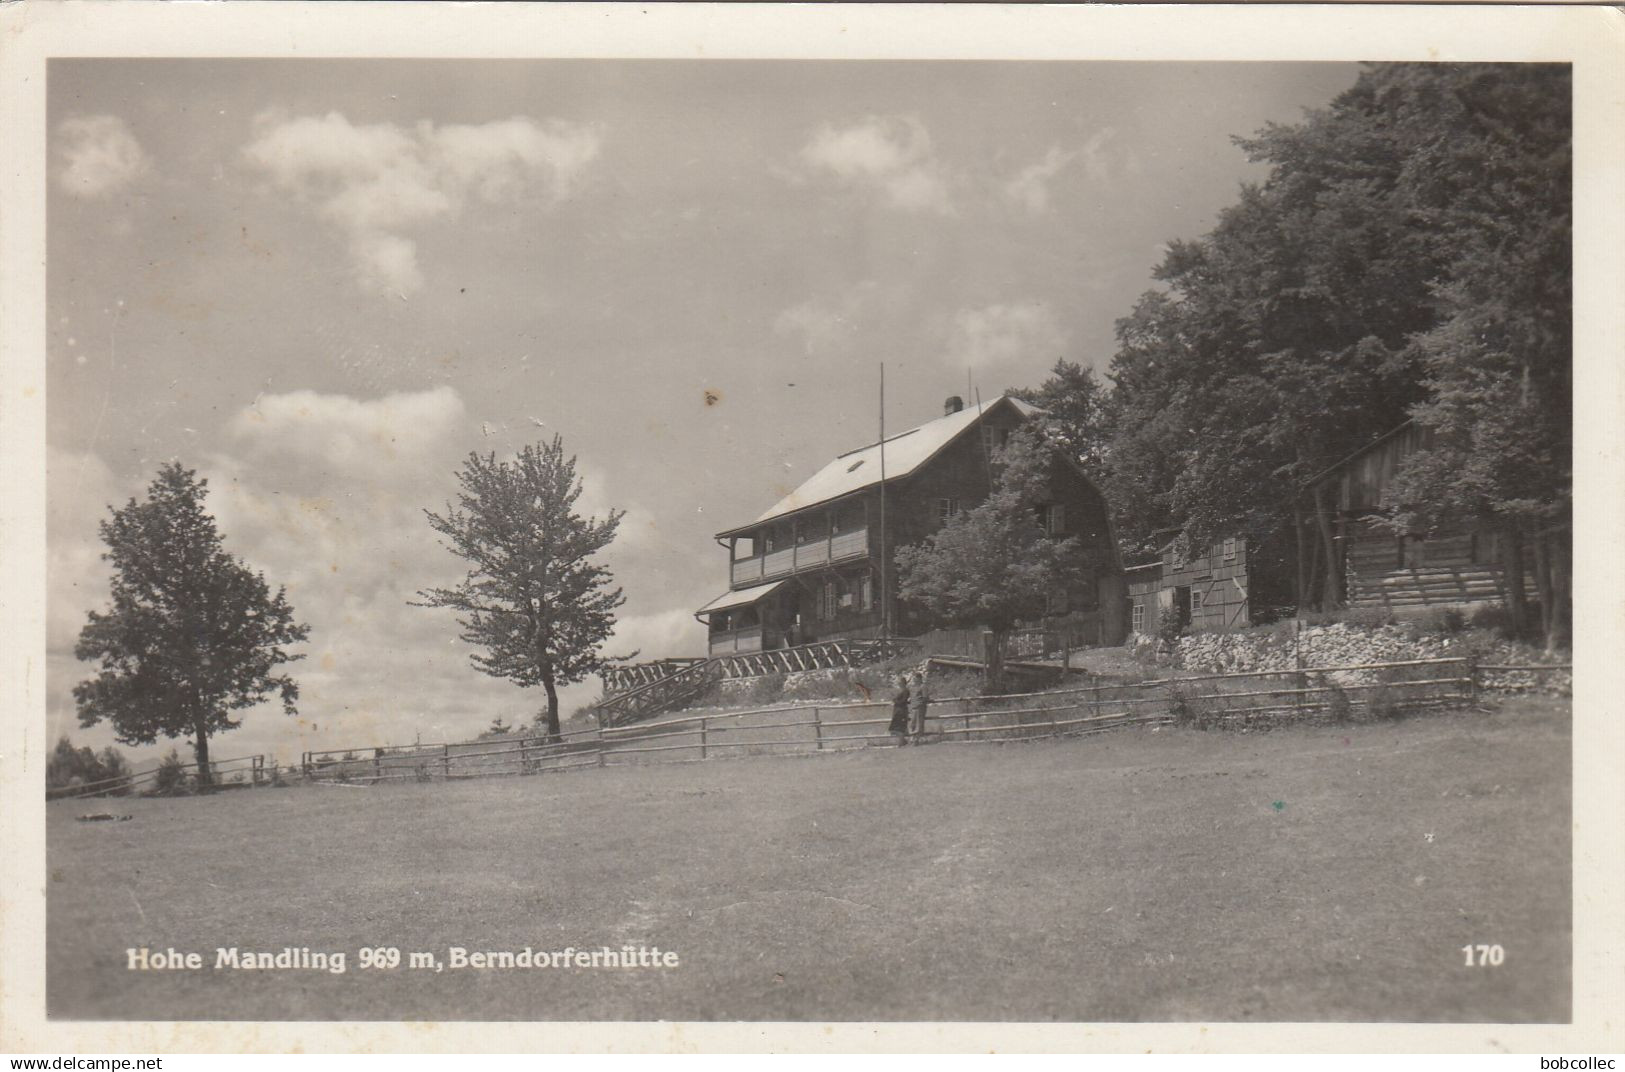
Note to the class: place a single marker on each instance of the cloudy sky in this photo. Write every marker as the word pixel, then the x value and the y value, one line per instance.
pixel 323 283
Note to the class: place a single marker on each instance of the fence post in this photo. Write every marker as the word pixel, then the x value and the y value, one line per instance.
pixel 377 764
pixel 703 752
pixel 602 762
pixel 818 730
pixel 1472 680
pixel 445 761
pixel 258 770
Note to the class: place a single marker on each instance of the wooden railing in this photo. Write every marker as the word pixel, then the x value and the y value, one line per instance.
pixel 823 655
pixel 839 547
pixel 662 694
pixel 683 685
pixel 630 675
pixel 236 773
pixel 1199 701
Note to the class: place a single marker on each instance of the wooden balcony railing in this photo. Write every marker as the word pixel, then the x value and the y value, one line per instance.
pixel 841 547
pixel 747 639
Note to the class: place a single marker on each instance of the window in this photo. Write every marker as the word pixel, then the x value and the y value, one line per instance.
pixel 1052 518
pixel 1196 602
pixel 994 437
pixel 828 597
pixel 866 592
pixel 946 508
pixel 1137 617
pixel 1230 550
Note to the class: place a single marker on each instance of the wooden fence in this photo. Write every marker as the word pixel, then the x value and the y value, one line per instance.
pixel 1277 696
pixel 243 772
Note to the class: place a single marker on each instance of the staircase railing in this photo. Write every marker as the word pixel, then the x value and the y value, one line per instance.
pixel 659 695
pixel 683 685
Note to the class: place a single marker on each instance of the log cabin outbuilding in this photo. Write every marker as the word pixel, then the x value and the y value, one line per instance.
pixel 820 563
pixel 1459 561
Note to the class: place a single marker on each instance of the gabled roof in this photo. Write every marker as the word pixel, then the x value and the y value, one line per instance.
pixel 1373 445
pixel 906 453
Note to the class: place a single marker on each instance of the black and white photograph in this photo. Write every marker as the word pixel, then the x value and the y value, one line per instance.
pixel 537 538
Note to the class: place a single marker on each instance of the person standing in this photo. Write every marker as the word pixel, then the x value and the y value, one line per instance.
pixel 899 711
pixel 918 700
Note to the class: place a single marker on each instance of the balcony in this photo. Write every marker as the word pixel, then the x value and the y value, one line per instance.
pixel 841 547
pixel 736 640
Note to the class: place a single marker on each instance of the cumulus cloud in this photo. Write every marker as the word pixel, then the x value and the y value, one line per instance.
pixel 1029 188
pixel 826 325
pixel 380 440
pixel 996 334
pixel 891 155
pixel 99 156
pixel 380 182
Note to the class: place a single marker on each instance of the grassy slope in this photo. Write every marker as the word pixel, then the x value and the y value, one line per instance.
pixel 1127 876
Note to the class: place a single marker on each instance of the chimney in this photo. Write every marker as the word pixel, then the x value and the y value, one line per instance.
pixel 952 405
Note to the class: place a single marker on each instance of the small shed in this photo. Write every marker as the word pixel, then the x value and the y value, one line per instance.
pixel 1206 589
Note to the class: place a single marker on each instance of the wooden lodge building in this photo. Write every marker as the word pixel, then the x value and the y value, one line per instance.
pixel 810 568
pixel 1460 562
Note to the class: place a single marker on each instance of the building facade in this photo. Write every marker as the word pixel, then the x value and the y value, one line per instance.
pixel 1459 561
pixel 820 564
pixel 1206 591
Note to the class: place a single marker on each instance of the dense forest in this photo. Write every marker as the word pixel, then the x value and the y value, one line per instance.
pixel 1406 257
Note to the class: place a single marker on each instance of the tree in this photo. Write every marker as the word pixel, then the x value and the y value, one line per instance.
pixel 1498 361
pixel 994 565
pixel 532 597
pixel 1075 415
pixel 1407 256
pixel 106 773
pixel 193 634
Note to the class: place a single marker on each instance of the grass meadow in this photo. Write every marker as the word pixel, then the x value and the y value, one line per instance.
pixel 1308 873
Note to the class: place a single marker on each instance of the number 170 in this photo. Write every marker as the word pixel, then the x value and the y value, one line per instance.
pixel 1480 955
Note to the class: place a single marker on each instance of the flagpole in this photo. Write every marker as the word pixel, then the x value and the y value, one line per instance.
pixel 885 586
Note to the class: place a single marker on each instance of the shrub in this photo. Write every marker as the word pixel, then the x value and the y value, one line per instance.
pixel 1495 618
pixel 766 689
pixel 945 683
pixel 1384 704
pixel 1192 709
pixel 171 777
pixel 1446 620
pixel 1170 629
pixel 1338 707
pixel 1366 617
